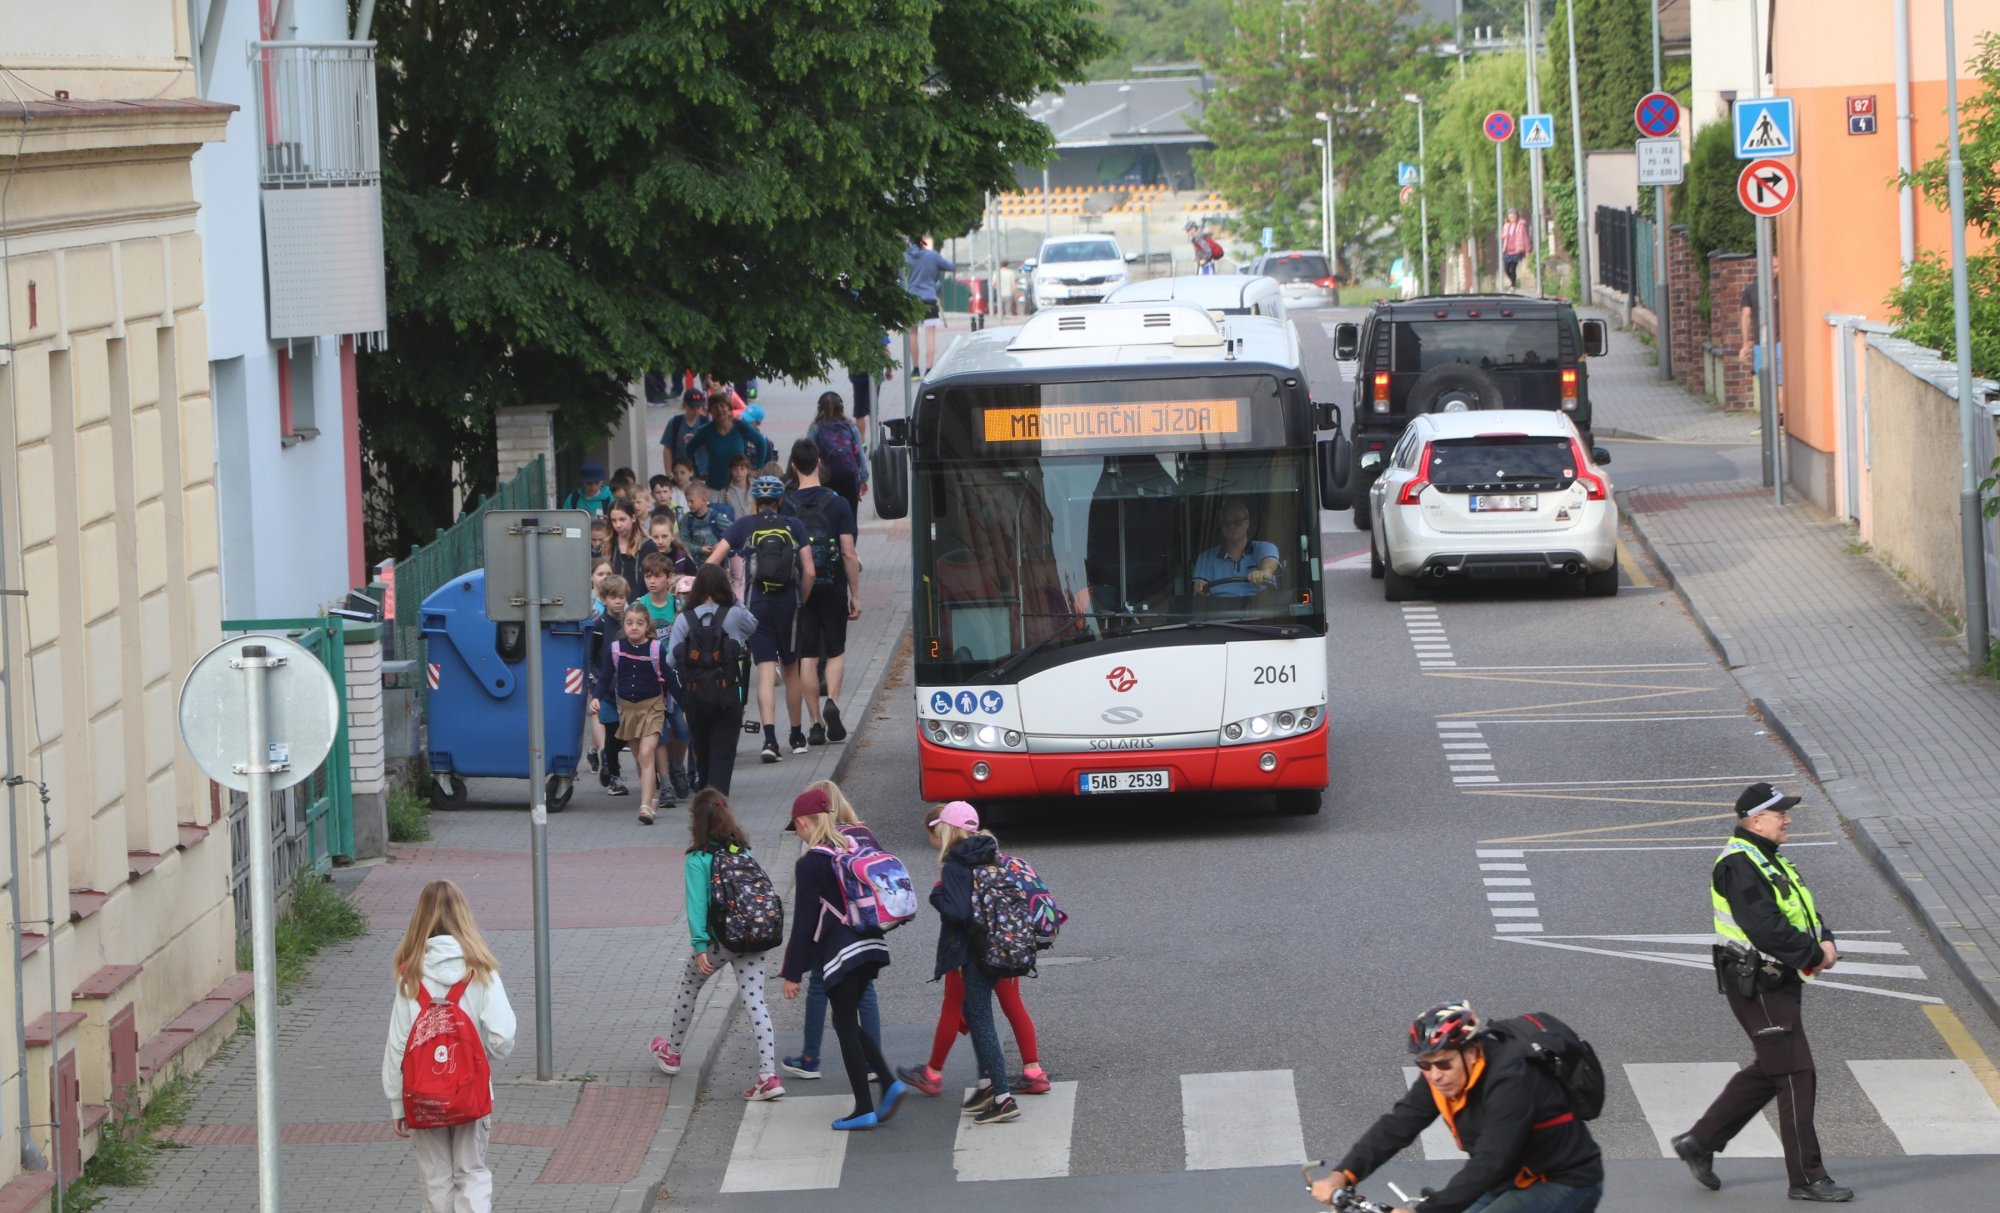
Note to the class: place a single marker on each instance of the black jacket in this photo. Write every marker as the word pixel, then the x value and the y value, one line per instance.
pixel 1756 908
pixel 952 899
pixel 839 951
pixel 1496 1127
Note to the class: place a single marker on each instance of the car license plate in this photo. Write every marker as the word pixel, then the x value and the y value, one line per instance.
pixel 1123 781
pixel 1491 504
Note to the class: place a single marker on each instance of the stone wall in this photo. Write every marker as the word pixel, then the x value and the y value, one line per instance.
pixel 521 433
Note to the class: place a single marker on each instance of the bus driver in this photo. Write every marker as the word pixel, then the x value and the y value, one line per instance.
pixel 1239 566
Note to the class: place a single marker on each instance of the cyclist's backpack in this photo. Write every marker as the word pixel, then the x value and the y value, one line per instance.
pixel 446 1078
pixel 1004 941
pixel 774 554
pixel 745 913
pixel 1567 1057
pixel 819 534
pixel 1044 915
pixel 711 662
pixel 875 887
pixel 1214 247
pixel 839 448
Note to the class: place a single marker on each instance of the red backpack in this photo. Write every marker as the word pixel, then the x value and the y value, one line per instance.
pixel 446 1078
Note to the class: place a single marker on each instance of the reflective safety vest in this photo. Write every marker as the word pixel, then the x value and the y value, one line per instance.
pixel 1794 900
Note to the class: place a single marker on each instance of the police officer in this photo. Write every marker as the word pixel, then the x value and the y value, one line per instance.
pixel 1769 940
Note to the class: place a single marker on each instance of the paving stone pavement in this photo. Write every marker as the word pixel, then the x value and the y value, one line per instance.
pixel 1864 682
pixel 600 1135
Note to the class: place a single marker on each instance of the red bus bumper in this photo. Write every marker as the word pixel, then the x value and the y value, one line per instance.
pixel 947 772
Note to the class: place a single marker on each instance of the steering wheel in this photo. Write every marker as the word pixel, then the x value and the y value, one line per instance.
pixel 1210 591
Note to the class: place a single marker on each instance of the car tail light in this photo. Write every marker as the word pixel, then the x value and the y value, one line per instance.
pixel 1381 391
pixel 1324 283
pixel 1415 487
pixel 1593 483
pixel 1569 391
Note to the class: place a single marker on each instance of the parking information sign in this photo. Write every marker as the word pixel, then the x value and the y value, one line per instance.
pixel 1499 126
pixel 1657 114
pixel 1764 128
pixel 1538 131
pixel 1659 161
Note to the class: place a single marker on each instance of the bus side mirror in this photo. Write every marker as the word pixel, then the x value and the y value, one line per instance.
pixel 1131 258
pixel 1346 341
pixel 1332 454
pixel 889 479
pixel 1596 339
pixel 1028 266
pixel 895 431
pixel 1326 416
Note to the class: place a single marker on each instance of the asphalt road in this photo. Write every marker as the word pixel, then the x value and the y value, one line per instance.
pixel 1529 826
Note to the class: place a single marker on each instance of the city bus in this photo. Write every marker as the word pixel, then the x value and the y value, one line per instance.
pixel 1116 543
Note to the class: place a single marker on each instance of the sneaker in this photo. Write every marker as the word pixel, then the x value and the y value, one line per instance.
pixel 835 731
pixel 1036 1083
pixel 666 1056
pixel 999 1112
pixel 801 1066
pixel 770 751
pixel 890 1099
pixel 979 1100
pixel 604 776
pixel 590 756
pixel 848 1124
pixel 798 742
pixel 681 785
pixel 918 1078
pixel 616 787
pixel 667 798
pixel 1698 1160
pixel 1822 1189
pixel 767 1087
pixel 816 735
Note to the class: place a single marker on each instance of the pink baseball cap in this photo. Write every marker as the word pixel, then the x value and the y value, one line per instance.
pixel 958 814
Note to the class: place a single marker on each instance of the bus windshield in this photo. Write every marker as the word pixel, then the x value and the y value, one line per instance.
pixel 1047 552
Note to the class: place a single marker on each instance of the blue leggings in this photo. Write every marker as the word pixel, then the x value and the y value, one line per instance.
pixel 871 1013
pixel 978 1008
pixel 1540 1198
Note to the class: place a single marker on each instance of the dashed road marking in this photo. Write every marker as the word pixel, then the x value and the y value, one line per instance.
pixel 1466 753
pixel 1033 1147
pixel 1249 1118
pixel 1510 899
pixel 1427 638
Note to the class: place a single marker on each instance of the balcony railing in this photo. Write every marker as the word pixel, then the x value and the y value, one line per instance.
pixel 316 111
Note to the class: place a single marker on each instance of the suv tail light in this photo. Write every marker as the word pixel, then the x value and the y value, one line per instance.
pixel 1381 391
pixel 1326 284
pixel 1593 484
pixel 1416 486
pixel 1569 390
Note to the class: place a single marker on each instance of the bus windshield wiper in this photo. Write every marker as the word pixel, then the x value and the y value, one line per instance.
pixel 1010 664
pixel 1283 631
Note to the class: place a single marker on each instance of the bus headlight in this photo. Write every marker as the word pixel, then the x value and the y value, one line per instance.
pixel 964 735
pixel 988 735
pixel 1290 722
pixel 960 731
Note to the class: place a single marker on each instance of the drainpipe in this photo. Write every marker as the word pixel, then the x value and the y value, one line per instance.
pixel 31 1155
pixel 1906 203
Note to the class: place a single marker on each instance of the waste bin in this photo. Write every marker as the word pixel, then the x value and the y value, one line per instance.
pixel 477 711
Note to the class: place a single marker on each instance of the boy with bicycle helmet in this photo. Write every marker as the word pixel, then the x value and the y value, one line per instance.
pixel 1529 1153
pixel 779 575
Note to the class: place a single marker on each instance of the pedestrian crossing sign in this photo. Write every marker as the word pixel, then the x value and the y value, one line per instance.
pixel 1764 128
pixel 1537 131
pixel 1408 174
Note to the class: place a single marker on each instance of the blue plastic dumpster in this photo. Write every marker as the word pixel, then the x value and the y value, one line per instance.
pixel 478 707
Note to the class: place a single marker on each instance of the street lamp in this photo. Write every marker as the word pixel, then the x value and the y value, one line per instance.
pixel 1329 221
pixel 1325 169
pixel 1423 191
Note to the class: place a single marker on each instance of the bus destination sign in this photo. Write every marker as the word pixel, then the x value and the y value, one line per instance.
pixel 1168 419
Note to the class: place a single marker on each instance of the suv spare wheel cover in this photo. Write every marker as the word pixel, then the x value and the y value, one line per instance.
pixel 1458 384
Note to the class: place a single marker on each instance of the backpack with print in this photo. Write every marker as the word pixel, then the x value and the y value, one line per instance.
pixel 817 518
pixel 1568 1058
pixel 711 663
pixel 446 1078
pixel 875 887
pixel 1004 940
pixel 745 913
pixel 774 554
pixel 1044 914
pixel 839 447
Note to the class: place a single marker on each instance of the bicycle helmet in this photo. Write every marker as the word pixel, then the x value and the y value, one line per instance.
pixel 767 488
pixel 1448 1025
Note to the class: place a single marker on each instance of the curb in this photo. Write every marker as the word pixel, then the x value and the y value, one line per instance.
pixel 719 999
pixel 1875 835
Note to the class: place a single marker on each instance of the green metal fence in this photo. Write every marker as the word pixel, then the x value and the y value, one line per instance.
pixel 456 552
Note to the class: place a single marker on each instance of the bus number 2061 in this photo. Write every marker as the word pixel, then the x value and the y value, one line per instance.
pixel 1269 675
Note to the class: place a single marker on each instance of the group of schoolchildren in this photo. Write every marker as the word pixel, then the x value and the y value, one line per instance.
pixel 670 669
pixel 994 916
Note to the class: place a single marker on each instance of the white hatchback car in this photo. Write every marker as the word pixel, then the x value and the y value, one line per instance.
pixel 1493 493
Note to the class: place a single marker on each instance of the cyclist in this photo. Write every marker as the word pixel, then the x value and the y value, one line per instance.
pixel 1528 1152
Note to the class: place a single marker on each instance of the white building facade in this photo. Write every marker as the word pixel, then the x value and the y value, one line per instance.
pixel 1719 36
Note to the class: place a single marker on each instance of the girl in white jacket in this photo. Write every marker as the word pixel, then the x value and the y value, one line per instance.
pixel 441 947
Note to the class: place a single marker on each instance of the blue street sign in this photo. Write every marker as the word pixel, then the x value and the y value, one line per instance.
pixel 1499 126
pixel 1408 174
pixel 1764 128
pixel 1267 241
pixel 1538 130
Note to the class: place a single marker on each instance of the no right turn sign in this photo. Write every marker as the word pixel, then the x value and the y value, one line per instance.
pixel 1767 187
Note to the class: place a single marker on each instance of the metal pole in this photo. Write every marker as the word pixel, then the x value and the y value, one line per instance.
pixel 1423 196
pixel 1583 279
pixel 1906 204
pixel 530 531
pixel 1773 453
pixel 254 661
pixel 1535 154
pixel 1660 276
pixel 1977 640
pixel 1047 223
pixel 1499 212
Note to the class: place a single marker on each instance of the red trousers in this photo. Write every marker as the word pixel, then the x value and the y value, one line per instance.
pixel 951 1020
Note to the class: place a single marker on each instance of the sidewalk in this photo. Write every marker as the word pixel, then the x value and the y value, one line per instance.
pixel 1864 683
pixel 598 1137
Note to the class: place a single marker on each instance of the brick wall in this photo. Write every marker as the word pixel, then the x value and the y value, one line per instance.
pixel 521 433
pixel 1683 294
pixel 1728 274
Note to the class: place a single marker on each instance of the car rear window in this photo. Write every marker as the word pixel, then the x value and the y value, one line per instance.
pixel 1303 268
pixel 1492 344
pixel 1486 462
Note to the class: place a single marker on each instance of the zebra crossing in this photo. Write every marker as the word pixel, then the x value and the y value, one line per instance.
pixel 1252 1118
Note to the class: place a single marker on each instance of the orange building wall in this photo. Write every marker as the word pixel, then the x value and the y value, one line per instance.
pixel 1838 245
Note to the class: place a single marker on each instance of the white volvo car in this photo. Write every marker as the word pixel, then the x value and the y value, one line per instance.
pixel 1493 493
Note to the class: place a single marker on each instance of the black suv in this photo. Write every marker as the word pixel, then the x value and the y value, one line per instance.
pixel 1450 353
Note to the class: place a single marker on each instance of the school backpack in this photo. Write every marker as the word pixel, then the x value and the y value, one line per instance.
pixel 839 448
pixel 774 554
pixel 745 913
pixel 446 1078
pixel 875 888
pixel 1567 1057
pixel 1004 940
pixel 1211 246
pixel 817 519
pixel 618 654
pixel 711 662
pixel 1044 915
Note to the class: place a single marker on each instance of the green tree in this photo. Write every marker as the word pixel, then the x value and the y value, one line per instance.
pixel 1614 68
pixel 1706 201
pixel 1462 204
pixel 1283 64
pixel 1158 31
pixel 576 190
